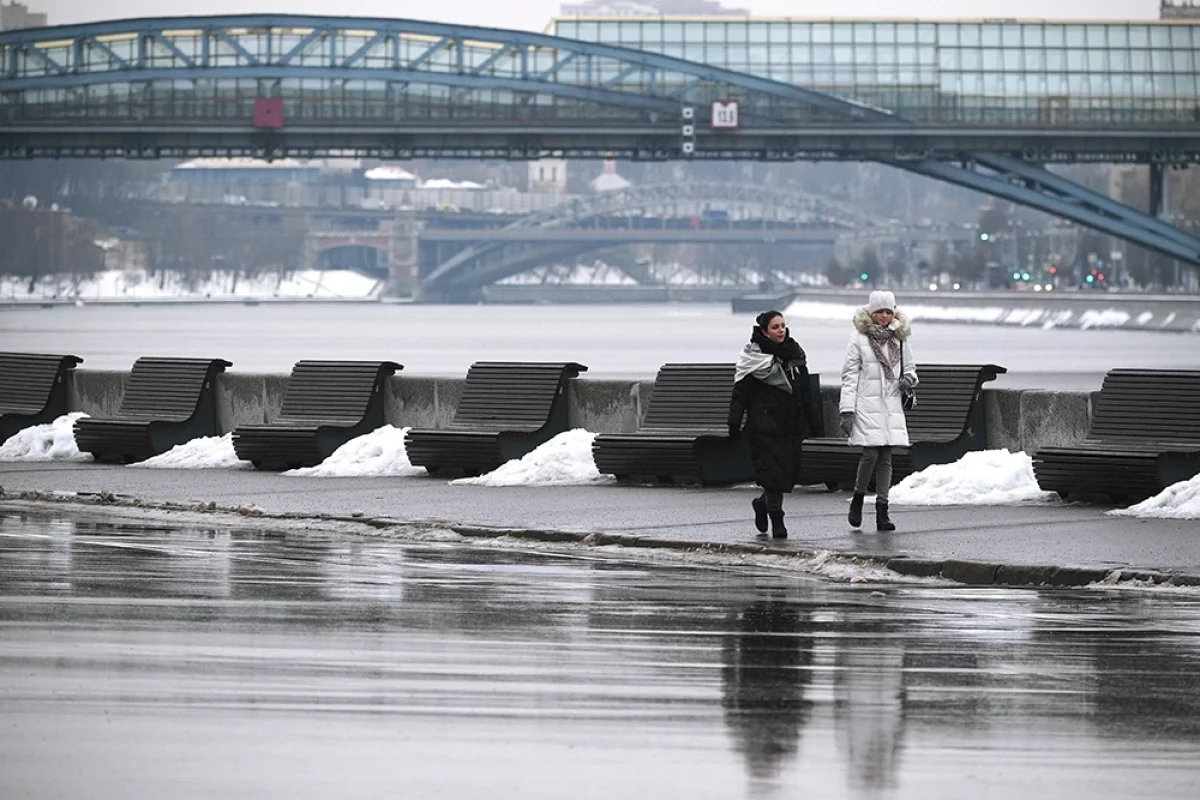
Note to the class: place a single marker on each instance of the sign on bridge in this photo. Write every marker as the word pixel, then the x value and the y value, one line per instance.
pixel 724 114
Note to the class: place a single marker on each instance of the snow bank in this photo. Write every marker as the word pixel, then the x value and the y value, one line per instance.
pixel 54 441
pixel 378 453
pixel 985 478
pixel 565 460
pixel 207 452
pixel 140 285
pixel 1178 501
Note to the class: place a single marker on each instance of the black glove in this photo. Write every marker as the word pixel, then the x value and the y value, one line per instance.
pixel 906 382
pixel 734 430
pixel 847 422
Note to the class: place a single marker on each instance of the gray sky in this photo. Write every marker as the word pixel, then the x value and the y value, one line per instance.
pixel 534 14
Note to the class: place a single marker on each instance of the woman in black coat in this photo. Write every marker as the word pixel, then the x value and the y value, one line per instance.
pixel 771 391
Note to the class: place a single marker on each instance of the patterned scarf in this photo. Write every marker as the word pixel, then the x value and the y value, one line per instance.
pixel 881 337
pixel 773 364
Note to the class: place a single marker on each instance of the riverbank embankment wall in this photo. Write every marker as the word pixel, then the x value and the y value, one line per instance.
pixel 1016 419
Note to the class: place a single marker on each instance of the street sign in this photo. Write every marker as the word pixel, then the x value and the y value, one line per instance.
pixel 724 114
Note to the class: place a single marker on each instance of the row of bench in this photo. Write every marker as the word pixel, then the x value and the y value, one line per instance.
pixel 1144 433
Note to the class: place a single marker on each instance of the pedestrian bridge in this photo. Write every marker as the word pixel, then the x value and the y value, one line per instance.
pixel 285 85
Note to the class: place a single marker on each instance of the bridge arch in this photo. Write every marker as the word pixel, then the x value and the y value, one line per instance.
pixel 486 262
pixel 367 258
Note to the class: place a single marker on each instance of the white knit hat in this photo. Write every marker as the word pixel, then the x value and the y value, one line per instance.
pixel 881 300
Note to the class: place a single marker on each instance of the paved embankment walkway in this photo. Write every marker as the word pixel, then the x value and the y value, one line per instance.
pixel 1065 544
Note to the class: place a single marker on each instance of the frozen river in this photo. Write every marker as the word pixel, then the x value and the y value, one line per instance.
pixel 625 341
pixel 139 663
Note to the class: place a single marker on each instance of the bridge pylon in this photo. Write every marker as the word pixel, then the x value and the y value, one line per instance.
pixel 403 256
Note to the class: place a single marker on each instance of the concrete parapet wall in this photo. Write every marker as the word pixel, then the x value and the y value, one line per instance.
pixel 1053 419
pixel 1002 415
pixel 421 402
pixel 607 406
pixel 97 393
pixel 1015 419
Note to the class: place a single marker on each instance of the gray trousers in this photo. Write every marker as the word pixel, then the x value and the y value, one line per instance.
pixel 875 461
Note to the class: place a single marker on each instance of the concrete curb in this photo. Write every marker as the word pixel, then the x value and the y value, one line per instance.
pixel 964 572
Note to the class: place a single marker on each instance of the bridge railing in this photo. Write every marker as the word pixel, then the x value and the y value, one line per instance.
pixel 367 71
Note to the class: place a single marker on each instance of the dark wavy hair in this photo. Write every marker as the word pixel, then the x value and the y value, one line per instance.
pixel 764 319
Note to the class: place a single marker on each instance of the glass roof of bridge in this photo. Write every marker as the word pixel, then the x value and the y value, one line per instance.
pixel 968 68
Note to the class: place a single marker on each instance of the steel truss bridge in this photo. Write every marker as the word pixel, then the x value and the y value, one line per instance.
pixel 760 216
pixel 271 86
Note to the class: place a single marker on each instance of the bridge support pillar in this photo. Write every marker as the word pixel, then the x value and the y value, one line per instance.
pixel 1160 192
pixel 402 255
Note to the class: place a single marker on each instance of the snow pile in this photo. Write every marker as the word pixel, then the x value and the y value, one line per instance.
pixel 140 285
pixel 378 453
pixel 54 441
pixel 923 309
pixel 984 478
pixel 1178 501
pixel 207 452
pixel 565 460
pixel 1108 318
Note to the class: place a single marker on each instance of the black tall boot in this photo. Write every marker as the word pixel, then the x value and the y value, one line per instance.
pixel 856 505
pixel 760 513
pixel 778 531
pixel 882 521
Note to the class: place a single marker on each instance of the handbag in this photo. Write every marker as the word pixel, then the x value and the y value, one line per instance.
pixel 908 397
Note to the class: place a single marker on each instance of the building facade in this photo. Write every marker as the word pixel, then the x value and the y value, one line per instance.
pixel 1179 9
pixel 648 8
pixel 17 15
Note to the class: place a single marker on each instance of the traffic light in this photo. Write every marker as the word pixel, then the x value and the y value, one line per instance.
pixel 984 236
pixel 864 276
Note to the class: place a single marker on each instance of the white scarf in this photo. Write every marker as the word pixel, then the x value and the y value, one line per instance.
pixel 763 366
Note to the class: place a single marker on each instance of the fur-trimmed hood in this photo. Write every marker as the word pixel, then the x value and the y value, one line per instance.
pixel 899 324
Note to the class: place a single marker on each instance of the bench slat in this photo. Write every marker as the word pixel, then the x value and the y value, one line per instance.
pixel 506 410
pixel 28 379
pixel 683 436
pixel 326 404
pixel 1143 436
pixel 167 401
pixel 33 389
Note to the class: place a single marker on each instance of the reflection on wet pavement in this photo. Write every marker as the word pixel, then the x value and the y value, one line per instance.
pixel 144 662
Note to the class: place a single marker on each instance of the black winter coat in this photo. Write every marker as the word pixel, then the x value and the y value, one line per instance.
pixel 777 421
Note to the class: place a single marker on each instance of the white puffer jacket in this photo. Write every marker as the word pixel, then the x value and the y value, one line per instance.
pixel 867 392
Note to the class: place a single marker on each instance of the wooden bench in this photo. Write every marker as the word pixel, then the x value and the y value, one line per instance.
pixel 327 403
pixel 506 410
pixel 1144 435
pixel 167 401
pixel 684 435
pixel 33 390
pixel 947 423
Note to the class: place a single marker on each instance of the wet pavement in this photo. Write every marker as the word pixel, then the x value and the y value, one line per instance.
pixel 152 661
pixel 1056 534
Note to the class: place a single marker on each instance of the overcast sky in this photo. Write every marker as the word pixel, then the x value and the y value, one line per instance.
pixel 534 14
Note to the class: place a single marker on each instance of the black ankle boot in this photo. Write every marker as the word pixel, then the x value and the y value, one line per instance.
pixel 778 531
pixel 760 514
pixel 856 505
pixel 882 522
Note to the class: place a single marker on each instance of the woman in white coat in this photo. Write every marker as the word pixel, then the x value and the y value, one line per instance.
pixel 879 363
